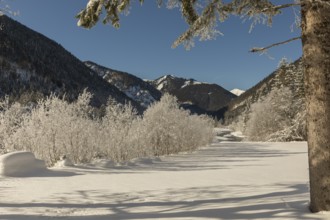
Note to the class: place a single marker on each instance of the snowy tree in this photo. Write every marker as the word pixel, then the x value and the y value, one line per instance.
pixel 202 18
pixel 277 117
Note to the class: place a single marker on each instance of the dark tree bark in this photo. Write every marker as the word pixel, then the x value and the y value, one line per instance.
pixel 316 58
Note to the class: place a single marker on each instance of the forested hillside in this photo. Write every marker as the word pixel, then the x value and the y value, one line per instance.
pixel 274 109
pixel 33 66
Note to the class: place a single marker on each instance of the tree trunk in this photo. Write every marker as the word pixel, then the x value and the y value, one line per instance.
pixel 316 58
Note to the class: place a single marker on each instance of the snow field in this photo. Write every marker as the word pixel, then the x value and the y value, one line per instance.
pixel 227 180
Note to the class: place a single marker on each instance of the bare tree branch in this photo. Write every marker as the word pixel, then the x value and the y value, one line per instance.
pixel 261 49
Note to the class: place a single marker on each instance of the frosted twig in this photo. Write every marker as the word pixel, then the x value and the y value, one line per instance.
pixel 278 7
pixel 260 49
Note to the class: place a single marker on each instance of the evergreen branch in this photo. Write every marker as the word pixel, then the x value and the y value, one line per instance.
pixel 278 7
pixel 261 49
pixel 189 12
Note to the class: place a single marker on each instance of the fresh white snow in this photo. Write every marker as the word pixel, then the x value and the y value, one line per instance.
pixel 139 95
pixel 226 180
pixel 237 92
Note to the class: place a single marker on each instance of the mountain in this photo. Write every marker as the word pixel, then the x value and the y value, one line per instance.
pixel 33 66
pixel 288 75
pixel 135 88
pixel 208 97
pixel 237 92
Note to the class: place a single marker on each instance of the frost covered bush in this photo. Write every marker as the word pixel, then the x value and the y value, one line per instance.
pixel 169 129
pixel 55 128
pixel 11 117
pixel 116 132
pixel 278 117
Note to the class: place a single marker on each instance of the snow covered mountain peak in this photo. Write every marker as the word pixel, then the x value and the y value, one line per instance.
pixel 163 83
pixel 237 92
pixel 209 97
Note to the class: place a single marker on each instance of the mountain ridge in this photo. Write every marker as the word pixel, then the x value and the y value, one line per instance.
pixel 33 66
pixel 134 87
pixel 210 97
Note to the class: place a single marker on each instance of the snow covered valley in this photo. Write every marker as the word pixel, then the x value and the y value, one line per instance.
pixel 226 180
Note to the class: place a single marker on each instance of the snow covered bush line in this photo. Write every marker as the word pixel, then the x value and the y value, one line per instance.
pixel 285 114
pixel 279 116
pixel 54 128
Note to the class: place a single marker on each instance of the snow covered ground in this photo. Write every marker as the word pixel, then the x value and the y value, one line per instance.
pixel 226 180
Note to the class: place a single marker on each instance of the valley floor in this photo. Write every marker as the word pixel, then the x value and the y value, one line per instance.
pixel 227 180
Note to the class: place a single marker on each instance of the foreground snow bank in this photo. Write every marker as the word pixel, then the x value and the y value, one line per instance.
pixel 225 180
pixel 20 163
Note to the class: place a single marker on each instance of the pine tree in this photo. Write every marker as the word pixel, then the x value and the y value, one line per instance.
pixel 316 57
pixel 202 18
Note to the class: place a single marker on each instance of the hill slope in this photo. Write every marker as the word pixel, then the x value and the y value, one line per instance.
pixel 274 109
pixel 33 66
pixel 289 75
pixel 134 87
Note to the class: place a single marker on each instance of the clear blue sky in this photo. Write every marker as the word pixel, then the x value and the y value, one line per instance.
pixel 142 46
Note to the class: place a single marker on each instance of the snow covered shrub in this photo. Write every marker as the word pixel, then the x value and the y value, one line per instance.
pixel 11 117
pixel 116 129
pixel 169 129
pixel 239 124
pixel 56 128
pixel 278 117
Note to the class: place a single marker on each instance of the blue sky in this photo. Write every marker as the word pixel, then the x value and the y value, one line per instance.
pixel 142 45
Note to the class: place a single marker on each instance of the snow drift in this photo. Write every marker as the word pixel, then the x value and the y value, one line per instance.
pixel 21 163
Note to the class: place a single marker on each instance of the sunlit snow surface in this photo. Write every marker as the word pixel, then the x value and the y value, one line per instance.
pixel 226 180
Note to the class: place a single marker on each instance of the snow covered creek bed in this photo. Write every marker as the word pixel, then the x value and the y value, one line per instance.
pixel 226 180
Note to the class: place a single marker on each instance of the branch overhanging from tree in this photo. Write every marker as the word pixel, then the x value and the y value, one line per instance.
pixel 278 7
pixel 262 49
pixel 202 20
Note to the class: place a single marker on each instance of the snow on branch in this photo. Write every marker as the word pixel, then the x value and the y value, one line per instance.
pixel 261 49
pixel 278 7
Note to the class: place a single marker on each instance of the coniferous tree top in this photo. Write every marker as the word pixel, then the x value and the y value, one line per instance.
pixel 201 16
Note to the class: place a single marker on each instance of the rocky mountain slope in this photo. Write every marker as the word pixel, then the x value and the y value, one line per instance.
pixel 134 87
pixel 208 97
pixel 33 66
pixel 197 97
